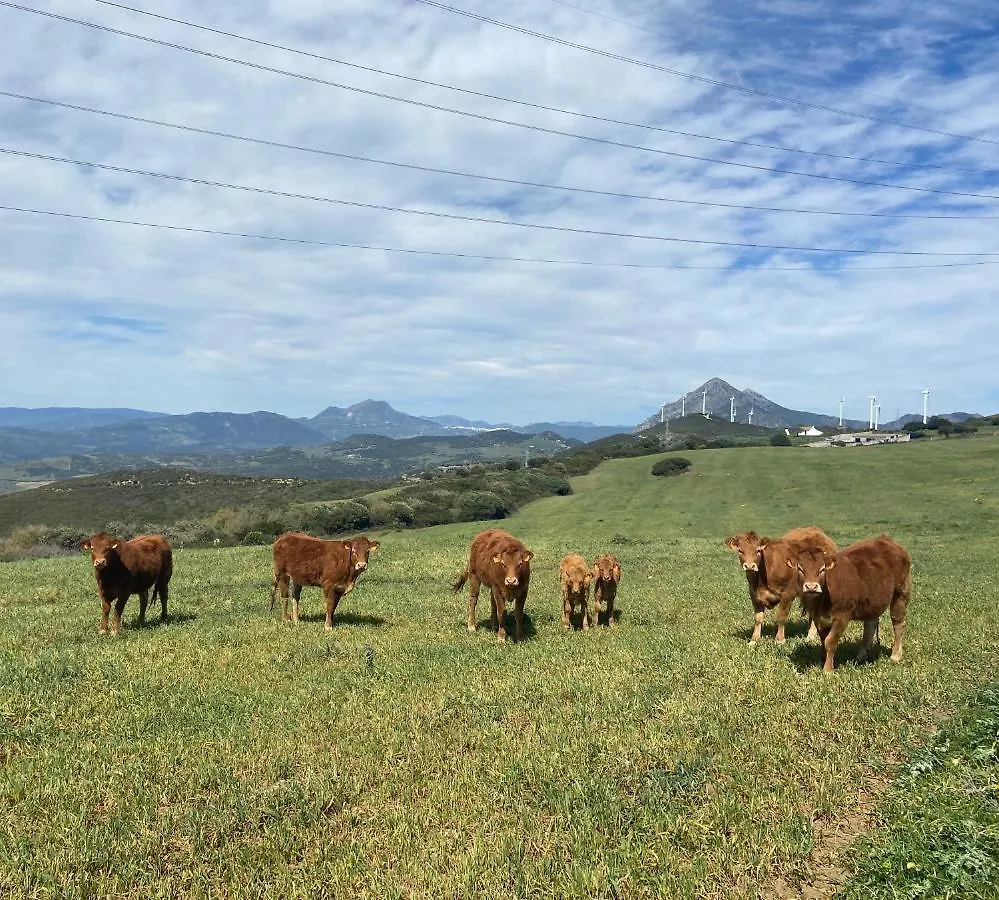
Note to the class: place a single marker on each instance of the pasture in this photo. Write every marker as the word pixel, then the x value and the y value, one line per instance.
pixel 227 754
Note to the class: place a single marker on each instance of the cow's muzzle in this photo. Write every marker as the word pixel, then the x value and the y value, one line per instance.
pixel 511 582
pixel 100 563
pixel 811 587
pixel 751 567
pixel 360 566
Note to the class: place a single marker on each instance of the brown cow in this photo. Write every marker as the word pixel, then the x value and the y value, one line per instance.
pixel 606 578
pixel 305 561
pixel 502 563
pixel 764 561
pixel 123 568
pixel 857 584
pixel 574 579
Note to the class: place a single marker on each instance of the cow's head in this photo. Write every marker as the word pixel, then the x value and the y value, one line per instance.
pixel 103 548
pixel 362 547
pixel 749 545
pixel 578 577
pixel 811 567
pixel 514 564
pixel 607 568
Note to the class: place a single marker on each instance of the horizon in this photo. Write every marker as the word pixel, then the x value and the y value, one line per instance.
pixel 806 186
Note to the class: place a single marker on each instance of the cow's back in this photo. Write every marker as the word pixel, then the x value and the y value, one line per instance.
pixel 868 574
pixel 308 560
pixel 147 559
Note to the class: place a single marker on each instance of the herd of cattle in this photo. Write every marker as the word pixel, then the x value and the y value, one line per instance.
pixel 835 587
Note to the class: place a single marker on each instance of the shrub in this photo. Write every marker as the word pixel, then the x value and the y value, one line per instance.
pixel 671 465
pixel 477 505
pixel 780 440
pixel 253 539
pixel 338 516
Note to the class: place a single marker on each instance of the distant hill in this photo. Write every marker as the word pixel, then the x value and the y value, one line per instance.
pixel 358 456
pixel 67 418
pixel 372 417
pixel 195 432
pixel 716 395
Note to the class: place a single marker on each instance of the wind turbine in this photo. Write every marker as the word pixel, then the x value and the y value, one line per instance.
pixel 841 399
pixel 683 406
pixel 926 399
pixel 870 417
pixel 662 414
pixel 732 414
pixel 877 416
pixel 704 404
pixel 752 409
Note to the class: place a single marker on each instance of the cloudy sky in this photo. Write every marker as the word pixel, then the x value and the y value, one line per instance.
pixel 591 303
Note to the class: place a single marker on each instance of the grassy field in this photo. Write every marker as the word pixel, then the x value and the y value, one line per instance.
pixel 226 754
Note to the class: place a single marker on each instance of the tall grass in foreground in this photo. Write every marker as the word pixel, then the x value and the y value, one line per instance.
pixel 226 754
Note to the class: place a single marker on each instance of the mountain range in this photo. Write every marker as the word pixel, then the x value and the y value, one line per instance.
pixel 32 434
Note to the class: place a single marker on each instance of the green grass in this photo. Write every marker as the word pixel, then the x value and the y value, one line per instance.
pixel 226 754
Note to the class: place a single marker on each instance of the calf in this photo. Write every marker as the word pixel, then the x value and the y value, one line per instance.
pixel 606 578
pixel 857 584
pixel 574 579
pixel 502 563
pixel 301 560
pixel 123 568
pixel 764 561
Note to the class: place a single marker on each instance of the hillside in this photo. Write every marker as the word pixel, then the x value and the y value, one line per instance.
pixel 359 456
pixel 68 418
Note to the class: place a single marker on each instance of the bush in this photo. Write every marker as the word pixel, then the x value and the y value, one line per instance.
pixel 780 440
pixel 477 505
pixel 253 539
pixel 336 517
pixel 671 465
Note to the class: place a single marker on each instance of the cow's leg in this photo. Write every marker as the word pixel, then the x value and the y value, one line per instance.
pixel 867 644
pixel 610 611
pixel 143 603
pixel 296 597
pixel 163 591
pixel 568 608
pixel 518 611
pixel 584 607
pixel 499 613
pixel 759 610
pixel 105 612
pixel 332 601
pixel 280 587
pixel 783 608
pixel 898 609
pixel 473 598
pixel 119 608
pixel 831 642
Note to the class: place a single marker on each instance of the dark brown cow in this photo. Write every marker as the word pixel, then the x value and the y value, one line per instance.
pixel 301 560
pixel 858 583
pixel 764 561
pixel 606 578
pixel 123 568
pixel 502 563
pixel 574 579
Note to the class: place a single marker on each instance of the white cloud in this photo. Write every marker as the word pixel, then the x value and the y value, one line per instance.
pixel 103 314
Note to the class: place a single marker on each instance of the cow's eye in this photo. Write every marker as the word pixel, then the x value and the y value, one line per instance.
pixel 822 570
pixel 801 569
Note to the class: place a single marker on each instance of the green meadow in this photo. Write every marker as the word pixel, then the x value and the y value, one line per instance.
pixel 226 754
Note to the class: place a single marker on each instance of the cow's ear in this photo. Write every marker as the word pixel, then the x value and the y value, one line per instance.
pixel 375 545
pixel 763 545
pixel 830 564
pixel 617 571
pixel 731 543
pixel 115 545
pixel 348 546
pixel 528 556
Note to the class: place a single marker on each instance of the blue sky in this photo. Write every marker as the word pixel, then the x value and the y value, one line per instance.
pixel 102 314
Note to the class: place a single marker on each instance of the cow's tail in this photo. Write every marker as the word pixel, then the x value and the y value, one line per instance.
pixel 460 583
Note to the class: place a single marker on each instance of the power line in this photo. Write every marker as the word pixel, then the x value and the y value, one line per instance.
pixel 470 256
pixel 485 118
pixel 782 69
pixel 482 220
pixel 688 134
pixel 702 78
pixel 491 178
